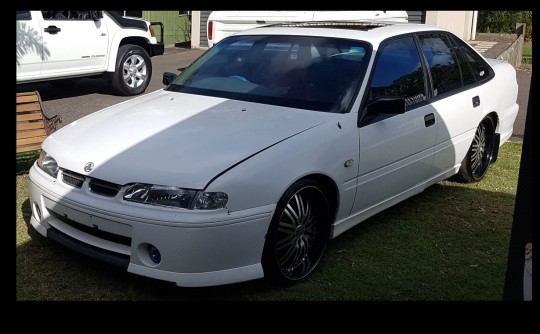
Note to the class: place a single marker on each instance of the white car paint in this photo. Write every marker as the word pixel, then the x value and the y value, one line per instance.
pixel 253 152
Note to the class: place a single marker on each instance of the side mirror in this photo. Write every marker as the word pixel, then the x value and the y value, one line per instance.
pixel 168 77
pixel 96 15
pixel 382 108
pixel 390 105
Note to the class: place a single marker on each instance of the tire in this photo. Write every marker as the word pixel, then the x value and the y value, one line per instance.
pixel 298 234
pixel 476 163
pixel 133 70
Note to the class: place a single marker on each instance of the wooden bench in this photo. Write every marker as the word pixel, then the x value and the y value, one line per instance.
pixel 33 125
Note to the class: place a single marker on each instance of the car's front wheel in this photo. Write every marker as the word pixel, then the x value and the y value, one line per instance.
pixel 298 234
pixel 476 163
pixel 133 70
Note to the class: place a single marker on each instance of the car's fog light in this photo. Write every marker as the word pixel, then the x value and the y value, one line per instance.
pixel 154 254
pixel 37 211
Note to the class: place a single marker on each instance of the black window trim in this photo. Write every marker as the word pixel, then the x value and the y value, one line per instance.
pixel 456 49
pixel 463 88
pixel 428 80
pixel 454 40
pixel 427 88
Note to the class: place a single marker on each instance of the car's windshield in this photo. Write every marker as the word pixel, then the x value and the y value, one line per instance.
pixel 316 73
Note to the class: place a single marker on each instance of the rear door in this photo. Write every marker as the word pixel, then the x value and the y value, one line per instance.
pixel 75 43
pixel 29 45
pixel 457 97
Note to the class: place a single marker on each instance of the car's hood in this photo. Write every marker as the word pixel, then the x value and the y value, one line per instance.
pixel 173 138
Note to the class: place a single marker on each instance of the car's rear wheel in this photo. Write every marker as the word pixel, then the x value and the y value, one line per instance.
pixel 133 70
pixel 476 163
pixel 298 234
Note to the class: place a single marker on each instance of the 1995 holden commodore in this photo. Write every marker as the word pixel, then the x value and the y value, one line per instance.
pixel 273 142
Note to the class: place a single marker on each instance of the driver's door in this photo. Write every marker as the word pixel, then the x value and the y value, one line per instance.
pixel 76 43
pixel 396 147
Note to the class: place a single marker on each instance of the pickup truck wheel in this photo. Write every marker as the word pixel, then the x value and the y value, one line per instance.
pixel 133 70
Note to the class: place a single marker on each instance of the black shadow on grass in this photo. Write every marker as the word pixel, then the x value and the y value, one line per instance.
pixel 387 257
pixel 24 161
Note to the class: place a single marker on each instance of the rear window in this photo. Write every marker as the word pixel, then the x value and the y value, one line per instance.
pixel 314 73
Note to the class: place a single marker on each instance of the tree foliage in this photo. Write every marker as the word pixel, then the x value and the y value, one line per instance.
pixel 504 21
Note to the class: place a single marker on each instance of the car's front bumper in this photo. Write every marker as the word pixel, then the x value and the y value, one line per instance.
pixel 157 49
pixel 196 248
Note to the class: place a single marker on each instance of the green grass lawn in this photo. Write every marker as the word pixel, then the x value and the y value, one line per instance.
pixel 527 53
pixel 448 243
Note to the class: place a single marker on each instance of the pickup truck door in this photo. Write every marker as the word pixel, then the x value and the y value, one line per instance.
pixel 29 45
pixel 76 43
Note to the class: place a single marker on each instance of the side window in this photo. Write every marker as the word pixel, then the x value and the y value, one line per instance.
pixel 479 66
pixel 23 15
pixel 66 15
pixel 398 72
pixel 466 71
pixel 442 63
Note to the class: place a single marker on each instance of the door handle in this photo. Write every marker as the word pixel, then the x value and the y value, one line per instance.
pixel 475 101
pixel 52 30
pixel 429 119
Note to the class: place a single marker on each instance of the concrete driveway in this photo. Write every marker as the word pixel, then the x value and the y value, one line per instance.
pixel 90 95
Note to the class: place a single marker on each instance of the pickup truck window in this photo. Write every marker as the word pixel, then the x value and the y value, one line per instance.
pixel 23 15
pixel 66 14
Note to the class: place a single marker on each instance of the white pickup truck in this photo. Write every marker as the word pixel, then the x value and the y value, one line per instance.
pixel 223 23
pixel 69 44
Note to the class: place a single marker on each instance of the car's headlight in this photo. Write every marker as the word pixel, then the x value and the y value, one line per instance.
pixel 175 197
pixel 48 164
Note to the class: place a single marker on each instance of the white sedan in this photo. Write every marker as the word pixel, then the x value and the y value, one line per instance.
pixel 273 142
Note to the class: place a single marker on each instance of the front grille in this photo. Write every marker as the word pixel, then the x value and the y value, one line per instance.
pixel 119 239
pixel 104 188
pixel 74 179
pixel 96 186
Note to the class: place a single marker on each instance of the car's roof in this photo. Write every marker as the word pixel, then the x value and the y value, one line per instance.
pixel 371 31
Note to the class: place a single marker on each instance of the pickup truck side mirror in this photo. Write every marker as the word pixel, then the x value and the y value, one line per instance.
pixel 168 77
pixel 96 15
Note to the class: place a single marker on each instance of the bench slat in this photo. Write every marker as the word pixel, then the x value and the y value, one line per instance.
pixel 33 140
pixel 27 148
pixel 27 98
pixel 30 126
pixel 29 134
pixel 29 117
pixel 28 107
pixel 31 121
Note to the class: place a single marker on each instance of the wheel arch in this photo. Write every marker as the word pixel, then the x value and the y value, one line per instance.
pixel 330 191
pixel 136 41
pixel 118 42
